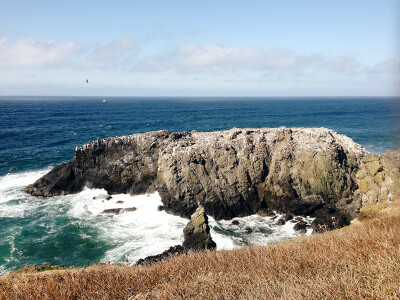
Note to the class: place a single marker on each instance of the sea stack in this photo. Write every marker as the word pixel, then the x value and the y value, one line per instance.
pixel 233 173
pixel 197 232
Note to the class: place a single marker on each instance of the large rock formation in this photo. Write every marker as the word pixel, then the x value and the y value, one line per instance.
pixel 306 171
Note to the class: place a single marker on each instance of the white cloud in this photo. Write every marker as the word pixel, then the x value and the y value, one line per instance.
pixel 384 67
pixel 49 53
pixel 33 53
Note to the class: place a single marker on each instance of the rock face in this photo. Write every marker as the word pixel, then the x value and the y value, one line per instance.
pixel 197 232
pixel 379 178
pixel 302 171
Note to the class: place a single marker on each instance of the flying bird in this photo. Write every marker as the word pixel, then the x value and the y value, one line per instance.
pixel 87 80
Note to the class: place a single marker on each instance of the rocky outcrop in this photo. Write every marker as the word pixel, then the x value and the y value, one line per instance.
pixel 197 237
pixel 172 251
pixel 197 232
pixel 237 172
pixel 378 178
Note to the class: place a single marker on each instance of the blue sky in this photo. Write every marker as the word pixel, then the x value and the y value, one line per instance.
pixel 200 48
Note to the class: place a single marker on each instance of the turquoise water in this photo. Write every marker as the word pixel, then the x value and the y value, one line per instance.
pixel 39 133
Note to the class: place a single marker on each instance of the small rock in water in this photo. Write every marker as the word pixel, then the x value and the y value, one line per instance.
pixel 120 201
pixel 114 211
pixel 160 208
pixel 280 222
pixel 117 211
pixel 287 217
pixel 235 222
pixel 301 226
pixel 94 198
pixel 129 209
pixel 108 197
pixel 248 230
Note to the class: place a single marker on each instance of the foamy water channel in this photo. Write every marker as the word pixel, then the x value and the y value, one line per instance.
pixel 74 229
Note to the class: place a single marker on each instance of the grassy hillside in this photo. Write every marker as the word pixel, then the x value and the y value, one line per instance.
pixel 359 261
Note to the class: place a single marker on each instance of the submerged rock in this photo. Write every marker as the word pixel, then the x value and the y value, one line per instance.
pixel 197 232
pixel 234 173
pixel 280 222
pixel 117 211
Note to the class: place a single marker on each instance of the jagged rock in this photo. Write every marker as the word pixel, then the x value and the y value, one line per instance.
pixel 235 222
pixel 302 171
pixel 196 237
pixel 197 232
pixel 172 251
pixel 160 208
pixel 117 211
pixel 280 222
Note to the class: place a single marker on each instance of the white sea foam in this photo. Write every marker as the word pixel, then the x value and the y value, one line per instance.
pixel 11 183
pixel 133 234
pixel 14 202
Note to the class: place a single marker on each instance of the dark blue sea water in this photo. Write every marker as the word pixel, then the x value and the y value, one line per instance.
pixel 38 133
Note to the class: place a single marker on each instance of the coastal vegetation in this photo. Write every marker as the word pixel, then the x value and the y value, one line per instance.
pixel 358 261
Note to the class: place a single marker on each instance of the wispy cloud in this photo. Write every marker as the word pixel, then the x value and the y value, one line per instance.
pixel 124 53
pixel 200 58
pixel 120 52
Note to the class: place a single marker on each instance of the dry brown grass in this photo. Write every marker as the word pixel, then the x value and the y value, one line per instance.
pixel 357 262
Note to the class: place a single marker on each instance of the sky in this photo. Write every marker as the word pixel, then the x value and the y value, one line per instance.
pixel 200 48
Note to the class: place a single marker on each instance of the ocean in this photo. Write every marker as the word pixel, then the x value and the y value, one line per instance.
pixel 37 133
